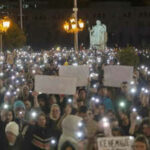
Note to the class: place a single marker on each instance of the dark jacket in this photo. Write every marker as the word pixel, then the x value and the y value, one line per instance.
pixel 37 138
pixel 16 146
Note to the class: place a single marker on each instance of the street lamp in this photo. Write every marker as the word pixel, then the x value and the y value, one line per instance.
pixel 4 25
pixel 74 25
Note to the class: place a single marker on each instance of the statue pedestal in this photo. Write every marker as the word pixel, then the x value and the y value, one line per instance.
pixel 99 47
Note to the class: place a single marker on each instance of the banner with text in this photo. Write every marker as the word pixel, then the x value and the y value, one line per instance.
pixel 55 84
pixel 115 143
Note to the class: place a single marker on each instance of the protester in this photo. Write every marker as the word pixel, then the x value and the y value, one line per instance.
pixel 145 128
pixel 19 112
pixel 49 121
pixel 9 116
pixel 54 115
pixel 12 141
pixel 141 143
pixel 71 136
pixel 38 136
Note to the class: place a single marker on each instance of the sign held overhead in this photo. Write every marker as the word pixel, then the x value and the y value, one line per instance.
pixel 114 75
pixel 55 85
pixel 80 72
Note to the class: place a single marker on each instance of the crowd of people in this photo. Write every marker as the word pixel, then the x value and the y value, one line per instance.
pixel 41 121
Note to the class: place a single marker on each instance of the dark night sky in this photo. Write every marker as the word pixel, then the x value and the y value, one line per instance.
pixel 85 2
pixel 134 2
pixel 81 3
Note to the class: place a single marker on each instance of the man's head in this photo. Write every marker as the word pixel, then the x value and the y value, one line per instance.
pixel 144 98
pixel 145 127
pixel 105 91
pixel 9 116
pixel 19 109
pixel 82 94
pixel 25 90
pixel 90 114
pixel 55 112
pixel 124 87
pixel 116 132
pixel 141 143
pixel 27 104
pixel 42 99
pixel 52 100
pixel 101 109
pixel 41 120
pixel 80 103
pixel 111 114
pixel 3 114
pixel 83 113
pixel 31 85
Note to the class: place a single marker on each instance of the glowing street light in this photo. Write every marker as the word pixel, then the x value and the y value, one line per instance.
pixel 74 25
pixel 4 25
pixel 81 24
pixel 66 26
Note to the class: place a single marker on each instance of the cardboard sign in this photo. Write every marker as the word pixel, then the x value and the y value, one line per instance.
pixel 80 72
pixel 55 85
pixel 115 143
pixel 114 75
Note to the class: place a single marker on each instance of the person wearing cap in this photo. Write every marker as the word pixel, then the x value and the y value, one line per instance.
pixel 19 111
pixel 19 107
pixel 11 141
pixel 72 137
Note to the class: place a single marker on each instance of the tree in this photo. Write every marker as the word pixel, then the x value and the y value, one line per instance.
pixel 128 56
pixel 14 37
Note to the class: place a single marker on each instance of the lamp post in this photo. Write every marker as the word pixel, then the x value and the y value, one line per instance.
pixel 4 25
pixel 21 19
pixel 75 9
pixel 74 25
pixel 1 43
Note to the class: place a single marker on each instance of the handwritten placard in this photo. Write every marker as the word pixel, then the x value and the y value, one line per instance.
pixel 115 143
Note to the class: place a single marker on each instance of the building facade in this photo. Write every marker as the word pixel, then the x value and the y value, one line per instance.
pixel 126 24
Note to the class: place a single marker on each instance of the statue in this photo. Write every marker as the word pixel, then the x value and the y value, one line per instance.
pixel 98 36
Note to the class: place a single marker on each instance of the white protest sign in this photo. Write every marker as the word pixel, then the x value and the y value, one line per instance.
pixel 55 85
pixel 80 72
pixel 114 75
pixel 115 143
